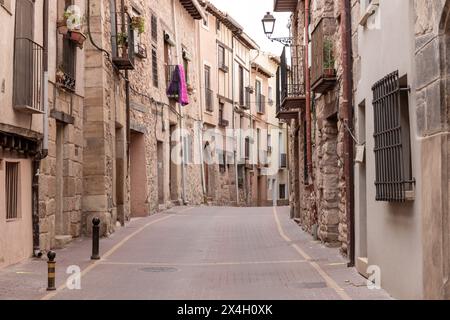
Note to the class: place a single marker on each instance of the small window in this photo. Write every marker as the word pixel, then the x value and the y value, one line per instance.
pixel 155 68
pixel 154 23
pixel 12 190
pixel 247 148
pixel 221 56
pixel 282 190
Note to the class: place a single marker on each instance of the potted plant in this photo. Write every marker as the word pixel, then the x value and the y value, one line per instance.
pixel 122 39
pixel 328 57
pixel 70 27
pixel 138 23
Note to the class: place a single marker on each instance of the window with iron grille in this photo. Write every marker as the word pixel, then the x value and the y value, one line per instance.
pixel 12 190
pixel 394 181
pixel 154 24
pixel 155 68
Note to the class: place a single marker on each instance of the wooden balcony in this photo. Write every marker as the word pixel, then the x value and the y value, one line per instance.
pixel 323 72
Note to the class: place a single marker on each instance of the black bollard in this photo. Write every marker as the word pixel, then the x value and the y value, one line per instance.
pixel 95 239
pixel 51 271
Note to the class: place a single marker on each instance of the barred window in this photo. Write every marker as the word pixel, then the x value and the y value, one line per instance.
pixel 12 190
pixel 394 181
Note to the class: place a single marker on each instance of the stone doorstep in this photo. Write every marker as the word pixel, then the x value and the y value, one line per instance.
pixel 62 241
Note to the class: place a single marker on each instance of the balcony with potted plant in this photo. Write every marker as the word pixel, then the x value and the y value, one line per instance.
pixel 70 26
pixel 323 72
pixel 123 41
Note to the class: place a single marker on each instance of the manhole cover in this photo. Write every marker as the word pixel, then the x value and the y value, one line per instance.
pixel 159 269
pixel 312 285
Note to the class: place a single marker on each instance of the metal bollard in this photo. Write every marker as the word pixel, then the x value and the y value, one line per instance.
pixel 51 271
pixel 95 239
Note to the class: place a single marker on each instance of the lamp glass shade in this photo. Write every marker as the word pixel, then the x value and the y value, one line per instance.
pixel 269 24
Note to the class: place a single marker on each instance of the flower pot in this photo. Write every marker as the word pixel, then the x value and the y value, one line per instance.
pixel 329 72
pixel 78 37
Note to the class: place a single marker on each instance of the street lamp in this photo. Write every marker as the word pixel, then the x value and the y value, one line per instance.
pixel 269 26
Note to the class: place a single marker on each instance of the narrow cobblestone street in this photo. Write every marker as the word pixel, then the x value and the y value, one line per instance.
pixel 199 253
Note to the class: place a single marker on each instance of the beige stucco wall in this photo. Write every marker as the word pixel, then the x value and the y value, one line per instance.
pixel 394 231
pixel 16 237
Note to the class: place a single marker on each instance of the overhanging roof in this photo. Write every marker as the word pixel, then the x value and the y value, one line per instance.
pixel 285 5
pixel 194 9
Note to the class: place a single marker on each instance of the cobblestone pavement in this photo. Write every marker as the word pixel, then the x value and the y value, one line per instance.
pixel 199 253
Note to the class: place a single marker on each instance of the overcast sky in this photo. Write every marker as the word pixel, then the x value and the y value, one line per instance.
pixel 248 13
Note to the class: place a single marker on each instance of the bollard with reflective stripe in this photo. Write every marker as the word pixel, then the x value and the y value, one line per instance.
pixel 51 271
pixel 95 239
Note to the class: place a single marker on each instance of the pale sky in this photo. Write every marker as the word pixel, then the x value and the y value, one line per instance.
pixel 249 13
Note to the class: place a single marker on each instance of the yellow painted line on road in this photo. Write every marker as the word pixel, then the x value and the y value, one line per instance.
pixel 330 282
pixel 206 264
pixel 111 251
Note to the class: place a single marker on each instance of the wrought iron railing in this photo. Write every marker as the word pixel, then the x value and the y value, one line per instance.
pixel 123 41
pixel 293 75
pixel 28 75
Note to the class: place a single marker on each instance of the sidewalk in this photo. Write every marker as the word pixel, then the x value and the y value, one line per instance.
pixel 28 279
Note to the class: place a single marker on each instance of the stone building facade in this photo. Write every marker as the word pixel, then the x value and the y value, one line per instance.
pixel 317 190
pixel 139 174
pixel 236 107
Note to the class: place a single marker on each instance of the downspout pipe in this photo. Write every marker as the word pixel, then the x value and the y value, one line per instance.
pixel 308 92
pixel 43 153
pixel 347 117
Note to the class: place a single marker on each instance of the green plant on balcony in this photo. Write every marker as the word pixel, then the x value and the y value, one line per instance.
pixel 70 26
pixel 122 39
pixel 328 58
pixel 138 23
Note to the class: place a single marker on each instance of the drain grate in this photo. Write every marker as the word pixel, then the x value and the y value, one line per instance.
pixel 312 285
pixel 159 269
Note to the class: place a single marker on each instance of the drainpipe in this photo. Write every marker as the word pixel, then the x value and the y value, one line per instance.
pixel 44 148
pixel 347 117
pixel 308 93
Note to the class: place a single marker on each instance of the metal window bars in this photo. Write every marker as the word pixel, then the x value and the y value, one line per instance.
pixel 123 41
pixel 393 180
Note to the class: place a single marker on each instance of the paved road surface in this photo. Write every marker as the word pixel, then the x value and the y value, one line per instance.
pixel 201 253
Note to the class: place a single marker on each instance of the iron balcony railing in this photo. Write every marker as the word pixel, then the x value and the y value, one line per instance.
pixel 123 41
pixel 209 99
pixel 293 75
pixel 28 76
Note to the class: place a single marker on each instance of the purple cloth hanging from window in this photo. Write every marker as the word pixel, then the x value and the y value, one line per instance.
pixel 178 87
